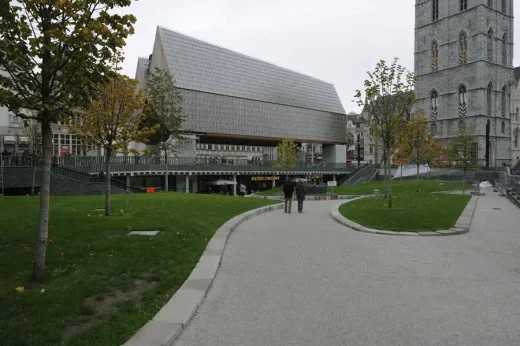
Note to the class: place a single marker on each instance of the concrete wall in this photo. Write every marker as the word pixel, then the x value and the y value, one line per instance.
pixel 335 153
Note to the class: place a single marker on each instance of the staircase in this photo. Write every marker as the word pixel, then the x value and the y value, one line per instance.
pixel 1 176
pixel 516 169
pixel 365 174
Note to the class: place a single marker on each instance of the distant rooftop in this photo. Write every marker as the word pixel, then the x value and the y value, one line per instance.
pixel 197 65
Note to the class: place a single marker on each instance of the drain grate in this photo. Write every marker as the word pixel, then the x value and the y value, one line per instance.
pixel 497 208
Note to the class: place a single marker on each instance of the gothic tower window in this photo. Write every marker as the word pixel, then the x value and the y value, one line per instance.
pixel 490 3
pixel 504 102
pixel 433 130
pixel 462 101
pixel 462 126
pixel 434 97
pixel 463 47
pixel 435 10
pixel 515 138
pixel 463 5
pixel 504 6
pixel 503 128
pixel 504 50
pixel 489 99
pixel 490 45
pixel 435 56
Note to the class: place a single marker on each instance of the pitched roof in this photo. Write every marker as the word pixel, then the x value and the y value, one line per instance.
pixel 197 65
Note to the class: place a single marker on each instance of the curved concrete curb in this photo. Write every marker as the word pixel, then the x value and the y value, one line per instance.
pixel 309 198
pixel 171 320
pixel 461 226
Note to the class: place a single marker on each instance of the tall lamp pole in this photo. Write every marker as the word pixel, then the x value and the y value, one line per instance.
pixel 359 150
pixel 487 143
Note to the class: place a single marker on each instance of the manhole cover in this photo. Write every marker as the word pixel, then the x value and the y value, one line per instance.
pixel 148 233
pixel 497 208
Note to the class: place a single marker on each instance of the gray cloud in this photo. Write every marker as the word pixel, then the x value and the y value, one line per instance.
pixel 334 40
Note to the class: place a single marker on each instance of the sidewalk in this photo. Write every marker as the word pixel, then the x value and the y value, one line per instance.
pixel 306 280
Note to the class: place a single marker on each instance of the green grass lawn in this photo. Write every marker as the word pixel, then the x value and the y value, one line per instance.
pixel 411 211
pixel 398 186
pixel 102 285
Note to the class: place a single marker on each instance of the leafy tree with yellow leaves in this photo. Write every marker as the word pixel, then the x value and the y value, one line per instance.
pixel 287 155
pixel 416 142
pixel 112 121
pixel 53 52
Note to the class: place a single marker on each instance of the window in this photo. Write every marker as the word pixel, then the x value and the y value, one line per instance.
pixel 504 50
pixel 463 5
pixel 504 102
pixel 462 127
pixel 14 121
pixel 490 45
pixel 433 130
pixel 371 149
pixel 435 56
pixel 462 101
pixel 503 128
pixel 463 47
pixel 504 6
pixel 489 99
pixel 515 138
pixel 434 98
pixel 435 10
pixel 516 116
pixel 490 3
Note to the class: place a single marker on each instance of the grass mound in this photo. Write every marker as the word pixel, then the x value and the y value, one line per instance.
pixel 412 210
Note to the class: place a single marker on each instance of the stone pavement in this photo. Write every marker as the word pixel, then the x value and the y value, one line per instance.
pixel 307 280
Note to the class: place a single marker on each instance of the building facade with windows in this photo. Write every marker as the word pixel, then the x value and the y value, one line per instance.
pixel 240 107
pixel 463 62
pixel 515 118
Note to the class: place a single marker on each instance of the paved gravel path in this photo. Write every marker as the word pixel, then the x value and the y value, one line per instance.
pixel 306 280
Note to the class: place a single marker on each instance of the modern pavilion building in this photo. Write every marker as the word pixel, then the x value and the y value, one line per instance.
pixel 241 107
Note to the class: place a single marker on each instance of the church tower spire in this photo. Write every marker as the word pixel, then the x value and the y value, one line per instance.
pixel 463 62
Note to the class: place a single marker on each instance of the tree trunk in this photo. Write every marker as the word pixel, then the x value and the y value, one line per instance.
pixel 33 178
pixel 464 181
pixel 418 166
pixel 107 182
pixel 385 179
pixel 389 187
pixel 45 185
pixel 166 170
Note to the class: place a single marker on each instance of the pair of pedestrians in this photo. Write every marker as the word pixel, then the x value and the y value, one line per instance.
pixel 288 190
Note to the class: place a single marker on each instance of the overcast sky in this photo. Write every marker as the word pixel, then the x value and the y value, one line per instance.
pixel 334 40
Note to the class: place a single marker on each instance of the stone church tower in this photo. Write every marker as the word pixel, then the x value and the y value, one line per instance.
pixel 463 61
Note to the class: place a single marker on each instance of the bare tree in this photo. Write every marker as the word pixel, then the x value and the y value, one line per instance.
pixel 165 110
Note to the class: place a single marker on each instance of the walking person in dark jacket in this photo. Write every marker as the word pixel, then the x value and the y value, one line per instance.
pixel 288 190
pixel 300 196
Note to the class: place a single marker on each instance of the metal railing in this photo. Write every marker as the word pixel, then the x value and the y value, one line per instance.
pixel 96 164
pixel 74 173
